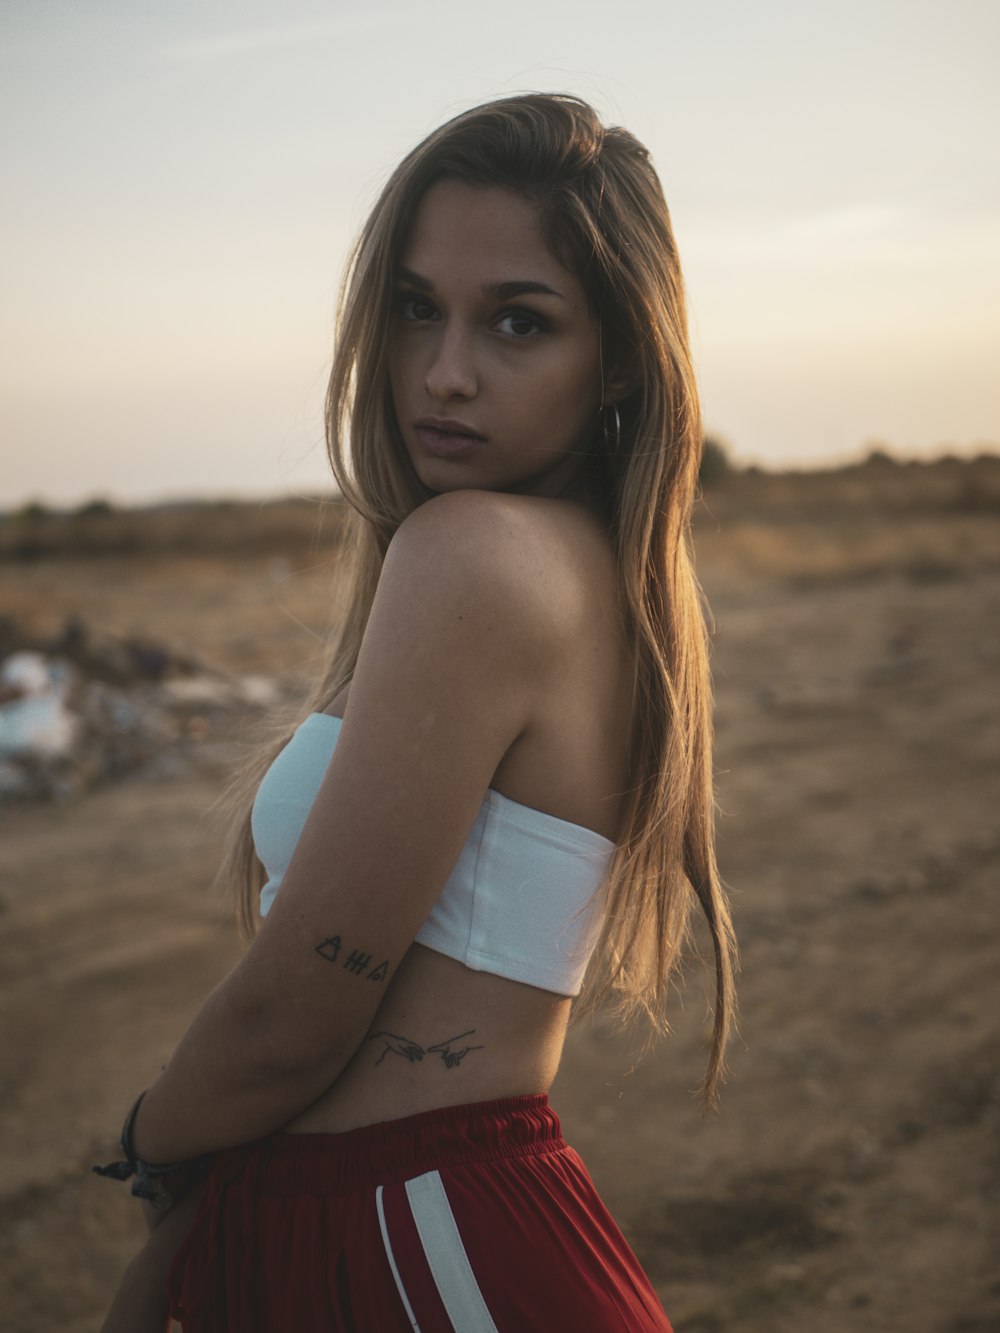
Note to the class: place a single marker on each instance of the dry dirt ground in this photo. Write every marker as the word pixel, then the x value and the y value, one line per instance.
pixel 851 1179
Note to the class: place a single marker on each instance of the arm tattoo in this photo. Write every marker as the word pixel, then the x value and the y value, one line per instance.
pixel 450 1054
pixel 357 961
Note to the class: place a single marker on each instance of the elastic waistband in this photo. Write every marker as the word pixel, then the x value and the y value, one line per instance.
pixel 396 1150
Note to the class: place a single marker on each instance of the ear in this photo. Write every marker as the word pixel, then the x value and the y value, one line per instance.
pixel 620 382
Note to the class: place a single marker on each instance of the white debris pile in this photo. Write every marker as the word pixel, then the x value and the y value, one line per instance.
pixel 64 730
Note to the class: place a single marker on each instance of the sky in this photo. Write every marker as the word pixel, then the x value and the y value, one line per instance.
pixel 181 183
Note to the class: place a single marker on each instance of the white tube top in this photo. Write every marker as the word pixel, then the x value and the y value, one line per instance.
pixel 522 900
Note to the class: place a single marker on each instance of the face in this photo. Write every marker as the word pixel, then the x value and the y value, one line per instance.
pixel 494 358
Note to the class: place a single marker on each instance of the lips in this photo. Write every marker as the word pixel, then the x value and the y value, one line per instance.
pixel 446 438
pixel 447 426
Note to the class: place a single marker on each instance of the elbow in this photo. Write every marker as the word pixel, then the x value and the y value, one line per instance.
pixel 291 1050
pixel 293 1032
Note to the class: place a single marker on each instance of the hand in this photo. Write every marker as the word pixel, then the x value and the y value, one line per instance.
pixel 152 1215
pixel 178 1186
pixel 140 1304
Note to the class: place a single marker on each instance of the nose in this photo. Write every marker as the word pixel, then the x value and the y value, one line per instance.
pixel 452 372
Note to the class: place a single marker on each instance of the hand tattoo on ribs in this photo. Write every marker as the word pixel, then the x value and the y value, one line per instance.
pixel 412 1051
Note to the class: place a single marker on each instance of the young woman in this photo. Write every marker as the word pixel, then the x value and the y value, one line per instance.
pixel 501 793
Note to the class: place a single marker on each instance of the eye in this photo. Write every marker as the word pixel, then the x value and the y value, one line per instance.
pixel 520 323
pixel 412 307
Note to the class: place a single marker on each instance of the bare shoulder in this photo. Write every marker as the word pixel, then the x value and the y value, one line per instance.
pixel 519 555
pixel 479 526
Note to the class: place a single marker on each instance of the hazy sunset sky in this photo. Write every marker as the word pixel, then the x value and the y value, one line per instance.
pixel 181 182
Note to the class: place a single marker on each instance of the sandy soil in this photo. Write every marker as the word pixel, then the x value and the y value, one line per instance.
pixel 851 1179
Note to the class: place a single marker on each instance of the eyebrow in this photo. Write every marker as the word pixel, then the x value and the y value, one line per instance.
pixel 502 291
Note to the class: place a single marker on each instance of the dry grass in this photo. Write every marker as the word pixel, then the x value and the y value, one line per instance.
pixel 926 522
pixel 261 580
pixel 242 616
pixel 229 527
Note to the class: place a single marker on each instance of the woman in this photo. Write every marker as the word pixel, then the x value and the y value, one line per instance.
pixel 518 710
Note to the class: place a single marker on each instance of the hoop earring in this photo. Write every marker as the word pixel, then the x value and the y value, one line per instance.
pixel 612 436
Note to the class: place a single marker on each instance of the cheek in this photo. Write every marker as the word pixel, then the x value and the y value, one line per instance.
pixel 400 377
pixel 401 401
pixel 570 370
pixel 393 366
pixel 576 392
pixel 559 420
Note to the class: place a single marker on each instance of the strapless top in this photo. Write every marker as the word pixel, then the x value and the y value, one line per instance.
pixel 522 900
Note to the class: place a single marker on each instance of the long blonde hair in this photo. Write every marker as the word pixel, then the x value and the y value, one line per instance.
pixel 605 217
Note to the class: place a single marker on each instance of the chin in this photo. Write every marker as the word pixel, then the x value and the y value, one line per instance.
pixel 444 476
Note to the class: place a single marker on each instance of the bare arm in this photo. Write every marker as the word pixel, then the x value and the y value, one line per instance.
pixel 457 645
pixel 140 1303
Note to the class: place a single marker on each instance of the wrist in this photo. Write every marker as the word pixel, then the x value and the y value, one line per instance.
pixel 158 1184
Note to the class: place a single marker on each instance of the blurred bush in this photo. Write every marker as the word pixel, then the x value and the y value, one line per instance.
pixel 97 508
pixel 715 462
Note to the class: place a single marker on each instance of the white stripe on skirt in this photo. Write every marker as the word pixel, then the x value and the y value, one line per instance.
pixel 446 1256
pixel 392 1260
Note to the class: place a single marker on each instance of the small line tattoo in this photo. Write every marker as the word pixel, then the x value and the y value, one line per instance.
pixel 412 1051
pixel 357 962
pixel 452 1058
pixel 399 1046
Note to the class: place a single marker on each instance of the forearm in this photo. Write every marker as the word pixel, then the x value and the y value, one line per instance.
pixel 140 1303
pixel 232 1078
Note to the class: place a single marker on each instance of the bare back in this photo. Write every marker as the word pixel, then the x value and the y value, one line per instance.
pixel 443 1033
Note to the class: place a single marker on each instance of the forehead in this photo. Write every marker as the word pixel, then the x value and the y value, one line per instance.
pixel 483 235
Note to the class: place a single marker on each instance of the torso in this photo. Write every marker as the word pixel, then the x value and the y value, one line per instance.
pixel 502 1038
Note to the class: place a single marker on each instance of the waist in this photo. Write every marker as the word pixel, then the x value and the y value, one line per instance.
pixel 396 1150
pixel 443 1036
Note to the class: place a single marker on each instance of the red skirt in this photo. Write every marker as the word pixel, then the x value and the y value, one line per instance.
pixel 471 1219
